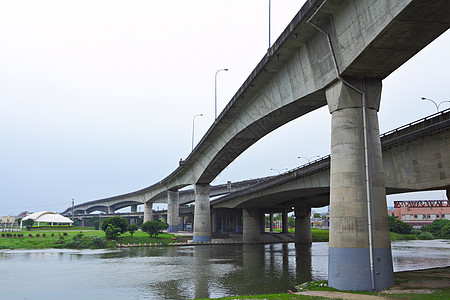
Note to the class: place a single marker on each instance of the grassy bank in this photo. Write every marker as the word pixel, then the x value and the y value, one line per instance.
pixel 76 238
pixel 318 235
pixel 426 284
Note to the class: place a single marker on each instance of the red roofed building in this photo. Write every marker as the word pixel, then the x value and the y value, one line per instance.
pixel 421 213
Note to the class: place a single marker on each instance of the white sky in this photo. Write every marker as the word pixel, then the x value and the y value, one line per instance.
pixel 97 98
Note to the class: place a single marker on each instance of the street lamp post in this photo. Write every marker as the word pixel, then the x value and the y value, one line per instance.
pixel 437 105
pixel 215 93
pixel 309 159
pixel 279 172
pixel 193 124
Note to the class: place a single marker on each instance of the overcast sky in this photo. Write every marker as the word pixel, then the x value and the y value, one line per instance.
pixel 97 98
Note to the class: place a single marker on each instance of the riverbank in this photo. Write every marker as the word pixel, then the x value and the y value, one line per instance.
pixel 88 238
pixel 424 284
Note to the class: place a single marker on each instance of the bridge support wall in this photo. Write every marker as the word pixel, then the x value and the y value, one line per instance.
pixel 359 252
pixel 173 210
pixel 303 225
pixel 202 217
pixel 252 222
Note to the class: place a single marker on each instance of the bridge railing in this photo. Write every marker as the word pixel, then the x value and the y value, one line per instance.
pixel 436 118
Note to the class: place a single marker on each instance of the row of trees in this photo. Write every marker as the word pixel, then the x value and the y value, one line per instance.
pixel 440 229
pixel 115 226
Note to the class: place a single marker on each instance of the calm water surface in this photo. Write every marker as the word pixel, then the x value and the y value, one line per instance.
pixel 183 272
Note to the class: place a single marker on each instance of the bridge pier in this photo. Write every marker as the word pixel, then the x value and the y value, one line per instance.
pixel 148 211
pixel 302 225
pixel 202 217
pixel 359 249
pixel 252 228
pixel 284 221
pixel 271 222
pixel 173 210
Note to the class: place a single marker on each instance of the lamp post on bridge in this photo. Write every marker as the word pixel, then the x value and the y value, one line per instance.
pixel 215 93
pixel 309 159
pixel 437 105
pixel 193 124
pixel 279 172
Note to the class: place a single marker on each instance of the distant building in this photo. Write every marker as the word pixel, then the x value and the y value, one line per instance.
pixel 24 214
pixel 390 210
pixel 421 213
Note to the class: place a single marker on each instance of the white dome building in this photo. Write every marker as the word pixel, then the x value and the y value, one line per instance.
pixel 48 217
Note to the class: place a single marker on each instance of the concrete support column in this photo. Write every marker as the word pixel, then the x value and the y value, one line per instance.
pixel 271 222
pixel 214 221
pixel 284 222
pixel 359 252
pixel 252 222
pixel 303 225
pixel 134 208
pixel 238 227
pixel 202 217
pixel 148 211
pixel 262 221
pixel 110 210
pixel 173 210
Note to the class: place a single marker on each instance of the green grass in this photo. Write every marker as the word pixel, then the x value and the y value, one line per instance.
pixel 402 237
pixel 268 296
pixel 88 234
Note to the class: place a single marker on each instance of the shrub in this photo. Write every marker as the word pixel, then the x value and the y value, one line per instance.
pixel 153 228
pixel 132 229
pixel 52 235
pixel 98 242
pixel 117 222
pixel 445 232
pixel 416 232
pixel 60 241
pixel 65 234
pixel 112 232
pixel 3 235
pixel 44 235
pixel 425 236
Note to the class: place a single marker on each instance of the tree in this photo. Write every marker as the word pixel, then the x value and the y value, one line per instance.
pixel 118 222
pixel 398 226
pixel 291 222
pixel 153 228
pixel 317 215
pixel 112 232
pixel 445 232
pixel 436 227
pixel 28 223
pixel 96 223
pixel 132 229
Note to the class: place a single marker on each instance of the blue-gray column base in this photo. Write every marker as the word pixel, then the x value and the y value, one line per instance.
pixel 172 228
pixel 349 269
pixel 201 239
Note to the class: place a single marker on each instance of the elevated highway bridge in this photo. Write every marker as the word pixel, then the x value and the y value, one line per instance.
pixel 334 53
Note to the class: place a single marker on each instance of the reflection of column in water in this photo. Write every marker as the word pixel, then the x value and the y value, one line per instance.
pixel 202 272
pixel 303 262
pixel 253 260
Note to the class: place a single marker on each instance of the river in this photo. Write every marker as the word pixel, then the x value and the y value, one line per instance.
pixel 185 272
